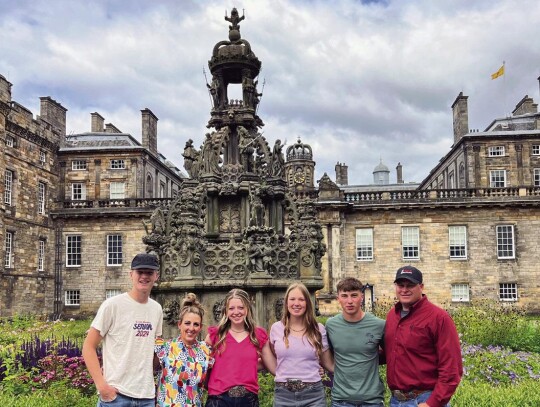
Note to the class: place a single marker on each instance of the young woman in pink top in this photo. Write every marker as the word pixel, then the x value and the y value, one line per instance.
pixel 237 345
pixel 301 347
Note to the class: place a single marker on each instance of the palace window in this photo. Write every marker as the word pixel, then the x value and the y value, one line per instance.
pixel 117 190
pixel 73 250
pixel 41 255
pixel 364 244
pixel 8 249
pixel 457 241
pixel 161 190
pixel 508 292
pixel 112 292
pixel 8 186
pixel 118 164
pixel 536 149
pixel 497 178
pixel 496 151
pixel 505 242
pixel 460 292
pixel 73 297
pixel 79 165
pixel 41 198
pixel 536 176
pixel 10 141
pixel 42 157
pixel 78 191
pixel 114 250
pixel 410 242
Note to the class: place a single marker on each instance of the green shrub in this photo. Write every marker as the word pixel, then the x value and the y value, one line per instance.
pixel 523 394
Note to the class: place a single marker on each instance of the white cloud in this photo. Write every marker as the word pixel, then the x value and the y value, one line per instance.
pixel 359 81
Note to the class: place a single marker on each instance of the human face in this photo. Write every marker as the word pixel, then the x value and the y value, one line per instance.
pixel 143 279
pixel 236 311
pixel 408 293
pixel 190 326
pixel 351 304
pixel 296 303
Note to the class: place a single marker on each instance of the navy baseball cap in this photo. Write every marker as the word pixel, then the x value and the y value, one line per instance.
pixel 409 273
pixel 145 261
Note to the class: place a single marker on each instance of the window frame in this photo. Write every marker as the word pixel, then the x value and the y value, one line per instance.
pixel 9 176
pixel 78 195
pixel 460 292
pixel 42 157
pixel 502 242
pixel 457 234
pixel 496 151
pixel 406 249
pixel 111 192
pixel 535 150
pixel 42 194
pixel 117 164
pixel 41 255
pixel 8 250
pixel 73 251
pixel 72 298
pixel 364 244
pixel 79 165
pixel 112 292
pixel 536 177
pixel 508 292
pixel 10 141
pixel 494 178
pixel 118 255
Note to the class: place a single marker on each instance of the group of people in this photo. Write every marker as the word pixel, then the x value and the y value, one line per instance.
pixel 418 342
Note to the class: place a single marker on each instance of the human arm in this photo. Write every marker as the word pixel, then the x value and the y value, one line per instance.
pixel 89 353
pixel 327 360
pixel 268 358
pixel 450 368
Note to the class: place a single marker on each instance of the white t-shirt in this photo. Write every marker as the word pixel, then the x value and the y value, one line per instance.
pixel 129 330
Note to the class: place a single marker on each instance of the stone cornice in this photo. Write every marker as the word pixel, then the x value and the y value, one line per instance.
pixel 31 137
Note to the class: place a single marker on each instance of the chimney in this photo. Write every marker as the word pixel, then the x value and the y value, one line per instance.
pixel 342 176
pixel 525 106
pixel 460 113
pixel 53 113
pixel 149 130
pixel 399 172
pixel 111 128
pixel 98 123
pixel 5 90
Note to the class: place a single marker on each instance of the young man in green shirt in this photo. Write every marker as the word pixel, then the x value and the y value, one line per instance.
pixel 355 337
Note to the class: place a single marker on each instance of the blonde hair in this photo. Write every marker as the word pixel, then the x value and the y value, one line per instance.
pixel 313 333
pixel 190 304
pixel 225 324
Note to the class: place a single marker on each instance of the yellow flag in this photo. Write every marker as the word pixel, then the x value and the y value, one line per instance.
pixel 500 72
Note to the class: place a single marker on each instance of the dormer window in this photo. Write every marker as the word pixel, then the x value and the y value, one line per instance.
pixel 496 151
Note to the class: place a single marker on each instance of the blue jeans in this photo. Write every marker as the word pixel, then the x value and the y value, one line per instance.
pixel 422 398
pixel 126 401
pixel 342 403
pixel 309 397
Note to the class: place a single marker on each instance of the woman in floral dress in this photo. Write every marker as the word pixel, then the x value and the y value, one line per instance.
pixel 184 360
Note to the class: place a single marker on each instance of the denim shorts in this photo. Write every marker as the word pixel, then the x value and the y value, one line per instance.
pixel 309 397
pixel 224 400
pixel 126 401
pixel 344 403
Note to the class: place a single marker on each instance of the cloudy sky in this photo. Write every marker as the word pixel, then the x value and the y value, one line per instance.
pixel 359 81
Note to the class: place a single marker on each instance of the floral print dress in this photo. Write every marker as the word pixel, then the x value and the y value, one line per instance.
pixel 184 370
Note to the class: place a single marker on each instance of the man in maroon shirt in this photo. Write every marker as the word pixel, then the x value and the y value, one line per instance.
pixel 422 349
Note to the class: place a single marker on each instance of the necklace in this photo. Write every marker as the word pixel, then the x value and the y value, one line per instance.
pixel 238 332
pixel 297 330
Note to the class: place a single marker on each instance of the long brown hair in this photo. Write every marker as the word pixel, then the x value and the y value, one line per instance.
pixel 308 319
pixel 225 324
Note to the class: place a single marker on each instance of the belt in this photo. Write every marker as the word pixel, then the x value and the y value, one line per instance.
pixel 295 385
pixel 237 391
pixel 407 395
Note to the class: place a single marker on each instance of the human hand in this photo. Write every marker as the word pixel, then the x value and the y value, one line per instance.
pixel 107 393
pixel 423 405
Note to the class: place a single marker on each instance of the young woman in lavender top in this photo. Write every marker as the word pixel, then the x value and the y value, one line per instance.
pixel 300 346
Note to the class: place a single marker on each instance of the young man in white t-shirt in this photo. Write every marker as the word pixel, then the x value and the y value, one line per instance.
pixel 127 324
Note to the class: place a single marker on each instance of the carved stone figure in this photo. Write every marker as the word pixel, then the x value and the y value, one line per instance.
pixel 246 147
pixel 190 155
pixel 278 160
pixel 234 19
pixel 215 91
pixel 211 152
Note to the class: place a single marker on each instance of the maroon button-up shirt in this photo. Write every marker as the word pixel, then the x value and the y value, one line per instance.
pixel 423 352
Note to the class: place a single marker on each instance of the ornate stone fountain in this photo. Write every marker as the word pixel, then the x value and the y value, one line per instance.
pixel 234 223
